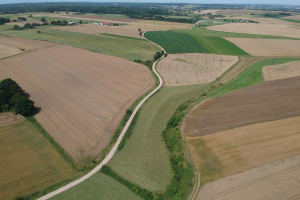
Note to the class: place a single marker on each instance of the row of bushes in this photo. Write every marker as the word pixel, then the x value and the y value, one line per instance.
pixel 13 98
pixel 4 20
pixel 149 63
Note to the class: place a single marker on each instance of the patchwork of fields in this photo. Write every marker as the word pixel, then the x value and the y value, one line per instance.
pixel 267 101
pixel 245 76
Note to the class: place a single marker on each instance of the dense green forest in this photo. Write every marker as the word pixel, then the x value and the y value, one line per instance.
pixel 13 98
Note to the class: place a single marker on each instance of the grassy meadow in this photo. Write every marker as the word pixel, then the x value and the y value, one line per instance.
pixel 144 160
pixel 29 163
pixel 99 186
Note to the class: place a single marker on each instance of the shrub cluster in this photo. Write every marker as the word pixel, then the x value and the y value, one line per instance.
pixel 12 98
pixel 4 20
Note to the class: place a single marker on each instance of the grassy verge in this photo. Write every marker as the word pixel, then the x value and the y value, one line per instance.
pixel 121 36
pixel 290 20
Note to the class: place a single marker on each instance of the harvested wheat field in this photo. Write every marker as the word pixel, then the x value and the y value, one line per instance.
pixel 8 118
pixel 286 70
pixel 267 101
pixel 243 148
pixel 193 68
pixel 295 17
pixel 82 95
pixel 275 181
pixel 6 51
pixel 24 44
pixel 285 30
pixel 97 29
pixel 268 47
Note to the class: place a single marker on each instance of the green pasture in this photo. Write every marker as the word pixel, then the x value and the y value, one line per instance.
pixel 144 160
pixel 99 186
pixel 115 46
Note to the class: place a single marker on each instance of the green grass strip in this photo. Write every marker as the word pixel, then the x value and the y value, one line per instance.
pixel 122 36
pixel 290 20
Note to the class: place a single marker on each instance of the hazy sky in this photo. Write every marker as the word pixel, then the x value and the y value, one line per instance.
pixel 289 2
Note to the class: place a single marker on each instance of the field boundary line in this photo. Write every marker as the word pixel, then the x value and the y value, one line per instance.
pixel 115 146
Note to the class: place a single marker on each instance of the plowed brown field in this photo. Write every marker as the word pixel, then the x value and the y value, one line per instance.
pixel 286 70
pixel 267 101
pixel 6 51
pixel 24 44
pixel 193 68
pixel 268 47
pixel 83 95
pixel 274 181
pixel 250 146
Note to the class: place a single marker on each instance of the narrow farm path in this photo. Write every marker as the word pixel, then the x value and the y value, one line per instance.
pixel 115 147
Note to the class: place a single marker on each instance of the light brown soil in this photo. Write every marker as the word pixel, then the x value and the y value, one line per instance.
pixel 97 29
pixel 243 148
pixel 286 70
pixel 24 44
pixel 10 118
pixel 6 51
pixel 83 95
pixel 267 101
pixel 285 30
pixel 204 12
pixel 268 47
pixel 276 181
pixel 193 68
pixel 295 17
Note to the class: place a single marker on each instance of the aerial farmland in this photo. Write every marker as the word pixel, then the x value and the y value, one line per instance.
pixel 152 101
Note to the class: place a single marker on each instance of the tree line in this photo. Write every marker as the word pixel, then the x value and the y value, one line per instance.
pixel 13 98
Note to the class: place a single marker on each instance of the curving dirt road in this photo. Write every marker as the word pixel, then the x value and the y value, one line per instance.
pixel 115 147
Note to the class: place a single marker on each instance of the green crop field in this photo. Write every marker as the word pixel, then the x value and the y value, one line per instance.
pixel 218 45
pixel 120 47
pixel 99 186
pixel 29 163
pixel 175 42
pixel 251 77
pixel 143 160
